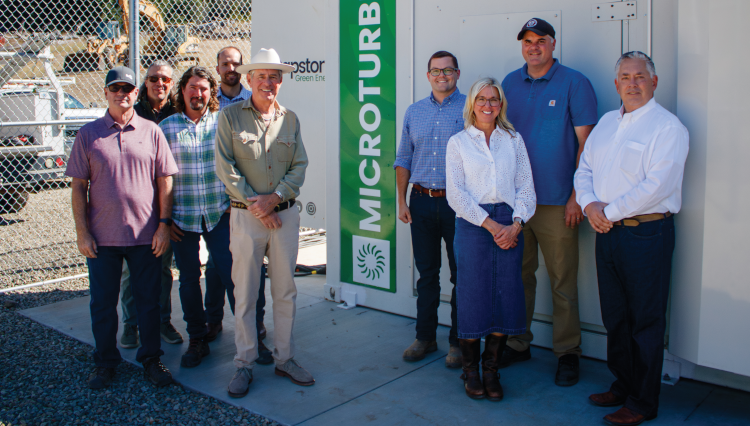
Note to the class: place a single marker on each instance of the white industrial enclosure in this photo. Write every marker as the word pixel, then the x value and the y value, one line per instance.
pixel 698 48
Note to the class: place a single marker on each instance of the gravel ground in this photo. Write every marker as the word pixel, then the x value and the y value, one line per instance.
pixel 43 377
pixel 39 242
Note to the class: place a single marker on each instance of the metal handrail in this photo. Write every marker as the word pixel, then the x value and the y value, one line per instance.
pixel 45 123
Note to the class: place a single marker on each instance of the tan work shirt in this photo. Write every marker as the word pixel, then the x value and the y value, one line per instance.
pixel 253 159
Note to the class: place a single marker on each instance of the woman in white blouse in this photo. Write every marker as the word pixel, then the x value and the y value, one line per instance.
pixel 490 187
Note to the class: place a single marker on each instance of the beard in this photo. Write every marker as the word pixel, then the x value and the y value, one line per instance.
pixel 197 104
pixel 231 79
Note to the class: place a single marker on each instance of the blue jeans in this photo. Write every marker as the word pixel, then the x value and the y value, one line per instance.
pixel 186 253
pixel 634 265
pixel 490 289
pixel 104 284
pixel 432 220
pixel 215 295
pixel 127 302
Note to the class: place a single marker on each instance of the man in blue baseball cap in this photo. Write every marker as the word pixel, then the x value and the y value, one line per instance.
pixel 554 109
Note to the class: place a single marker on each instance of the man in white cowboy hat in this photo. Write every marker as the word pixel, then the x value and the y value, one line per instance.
pixel 261 159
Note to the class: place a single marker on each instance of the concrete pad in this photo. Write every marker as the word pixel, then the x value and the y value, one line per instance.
pixel 355 356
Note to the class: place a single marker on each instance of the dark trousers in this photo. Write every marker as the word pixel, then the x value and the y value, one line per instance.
pixel 215 295
pixel 127 303
pixel 432 220
pixel 633 265
pixel 104 285
pixel 186 253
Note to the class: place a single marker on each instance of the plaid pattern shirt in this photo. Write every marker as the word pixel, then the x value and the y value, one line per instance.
pixel 198 193
pixel 225 102
pixel 427 127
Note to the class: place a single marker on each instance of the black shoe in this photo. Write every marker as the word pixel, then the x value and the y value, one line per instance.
pixel 213 330
pixel 197 350
pixel 511 355
pixel 567 370
pixel 265 356
pixel 101 377
pixel 156 372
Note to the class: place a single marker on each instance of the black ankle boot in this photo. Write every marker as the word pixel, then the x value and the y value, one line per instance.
pixel 493 349
pixel 472 380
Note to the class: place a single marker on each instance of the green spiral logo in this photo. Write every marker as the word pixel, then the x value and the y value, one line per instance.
pixel 372 261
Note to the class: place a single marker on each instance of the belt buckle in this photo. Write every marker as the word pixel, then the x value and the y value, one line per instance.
pixel 429 192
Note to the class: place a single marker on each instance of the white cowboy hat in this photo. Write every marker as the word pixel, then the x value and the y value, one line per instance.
pixel 266 59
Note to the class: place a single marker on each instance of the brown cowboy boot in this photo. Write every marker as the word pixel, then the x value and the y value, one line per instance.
pixel 472 380
pixel 493 350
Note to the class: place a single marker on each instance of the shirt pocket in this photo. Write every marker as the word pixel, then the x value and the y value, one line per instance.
pixel 285 148
pixel 246 145
pixel 631 157
pixel 553 108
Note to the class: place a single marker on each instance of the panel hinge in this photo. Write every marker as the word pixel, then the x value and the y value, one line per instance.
pixel 617 11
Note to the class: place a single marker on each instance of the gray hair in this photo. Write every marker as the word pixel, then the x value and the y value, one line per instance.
pixel 637 55
pixel 160 64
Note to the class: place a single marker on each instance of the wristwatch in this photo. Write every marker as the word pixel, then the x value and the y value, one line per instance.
pixel 281 197
pixel 168 221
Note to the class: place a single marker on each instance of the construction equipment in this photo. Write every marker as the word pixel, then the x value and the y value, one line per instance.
pixel 173 43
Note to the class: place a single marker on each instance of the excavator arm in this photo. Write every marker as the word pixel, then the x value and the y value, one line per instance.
pixel 151 13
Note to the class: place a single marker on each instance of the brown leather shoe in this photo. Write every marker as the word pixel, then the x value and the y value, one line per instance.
pixel 606 399
pixel 470 364
pixel 626 417
pixel 493 349
pixel 453 359
pixel 419 349
pixel 213 330
pixel 261 331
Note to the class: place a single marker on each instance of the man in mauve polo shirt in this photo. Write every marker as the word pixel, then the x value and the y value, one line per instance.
pixel 428 124
pixel 554 109
pixel 122 204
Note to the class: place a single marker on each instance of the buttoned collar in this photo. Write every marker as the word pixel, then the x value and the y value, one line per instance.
pixel 110 122
pixel 244 94
pixel 548 76
pixel 448 99
pixel 638 113
pixel 474 132
pixel 248 104
pixel 190 120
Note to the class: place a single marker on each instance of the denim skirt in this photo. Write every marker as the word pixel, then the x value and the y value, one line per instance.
pixel 489 291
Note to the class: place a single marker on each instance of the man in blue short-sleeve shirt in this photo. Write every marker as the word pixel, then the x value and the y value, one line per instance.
pixel 554 109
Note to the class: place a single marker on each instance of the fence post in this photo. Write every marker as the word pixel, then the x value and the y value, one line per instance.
pixel 135 59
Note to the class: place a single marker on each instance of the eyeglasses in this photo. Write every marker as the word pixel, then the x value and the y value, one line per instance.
pixel 483 101
pixel 127 88
pixel 446 71
pixel 154 79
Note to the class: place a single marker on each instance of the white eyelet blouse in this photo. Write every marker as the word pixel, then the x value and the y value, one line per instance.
pixel 477 174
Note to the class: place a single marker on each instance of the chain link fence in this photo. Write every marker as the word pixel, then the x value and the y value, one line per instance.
pixel 53 60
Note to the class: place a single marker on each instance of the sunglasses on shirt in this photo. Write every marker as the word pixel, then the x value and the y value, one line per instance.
pixel 127 88
pixel 155 79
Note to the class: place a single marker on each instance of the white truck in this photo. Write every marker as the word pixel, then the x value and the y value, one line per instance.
pixel 38 121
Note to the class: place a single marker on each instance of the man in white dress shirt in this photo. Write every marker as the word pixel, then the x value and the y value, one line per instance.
pixel 629 183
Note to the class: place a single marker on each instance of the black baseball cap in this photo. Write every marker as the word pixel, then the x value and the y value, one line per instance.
pixel 538 27
pixel 120 75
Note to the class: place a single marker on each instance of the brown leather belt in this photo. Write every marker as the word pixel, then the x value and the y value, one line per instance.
pixel 282 206
pixel 430 192
pixel 637 220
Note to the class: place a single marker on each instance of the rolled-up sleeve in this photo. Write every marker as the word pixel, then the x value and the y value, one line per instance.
pixel 290 184
pixel 237 186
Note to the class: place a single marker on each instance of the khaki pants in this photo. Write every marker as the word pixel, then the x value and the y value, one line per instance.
pixel 559 244
pixel 249 242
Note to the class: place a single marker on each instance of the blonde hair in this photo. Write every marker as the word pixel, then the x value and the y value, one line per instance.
pixel 478 86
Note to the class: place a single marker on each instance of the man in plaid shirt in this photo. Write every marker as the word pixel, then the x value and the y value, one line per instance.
pixel 200 202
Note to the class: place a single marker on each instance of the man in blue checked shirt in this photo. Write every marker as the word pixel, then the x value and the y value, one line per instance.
pixel 428 124
pixel 232 91
pixel 200 201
